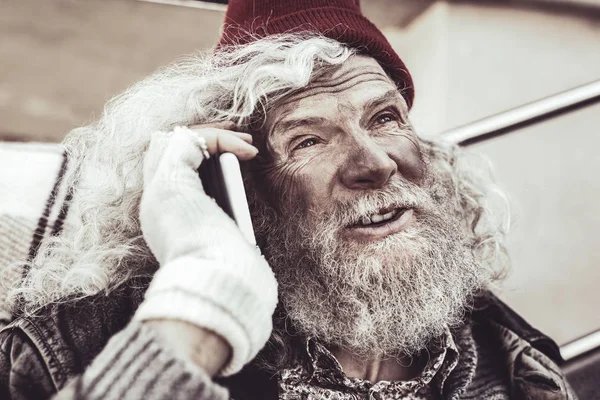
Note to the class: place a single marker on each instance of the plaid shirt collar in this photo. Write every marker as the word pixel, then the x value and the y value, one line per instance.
pixel 324 372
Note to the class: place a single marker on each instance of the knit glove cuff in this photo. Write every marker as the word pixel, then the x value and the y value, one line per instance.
pixel 227 301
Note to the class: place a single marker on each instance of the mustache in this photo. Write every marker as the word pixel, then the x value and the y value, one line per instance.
pixel 397 194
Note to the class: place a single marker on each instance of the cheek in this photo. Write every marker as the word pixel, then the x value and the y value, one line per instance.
pixel 301 184
pixel 286 186
pixel 407 153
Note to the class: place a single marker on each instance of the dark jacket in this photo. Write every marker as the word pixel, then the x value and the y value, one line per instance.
pixel 39 355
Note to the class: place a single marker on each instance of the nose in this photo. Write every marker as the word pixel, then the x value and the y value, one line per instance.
pixel 367 167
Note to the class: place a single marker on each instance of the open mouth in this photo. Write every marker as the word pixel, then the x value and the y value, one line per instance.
pixel 381 224
pixel 381 218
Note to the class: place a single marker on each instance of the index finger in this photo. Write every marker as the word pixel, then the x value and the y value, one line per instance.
pixel 227 126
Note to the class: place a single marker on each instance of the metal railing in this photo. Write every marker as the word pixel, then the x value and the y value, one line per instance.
pixel 526 115
pixel 520 117
pixel 580 346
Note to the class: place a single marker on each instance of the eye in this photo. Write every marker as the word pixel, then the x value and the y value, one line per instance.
pixel 306 143
pixel 385 118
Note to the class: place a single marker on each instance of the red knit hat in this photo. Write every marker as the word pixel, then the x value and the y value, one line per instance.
pixel 341 20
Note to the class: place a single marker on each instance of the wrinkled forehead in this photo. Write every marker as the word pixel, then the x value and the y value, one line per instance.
pixel 358 80
pixel 357 66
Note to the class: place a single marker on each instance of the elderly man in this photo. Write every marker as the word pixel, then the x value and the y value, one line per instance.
pixel 379 247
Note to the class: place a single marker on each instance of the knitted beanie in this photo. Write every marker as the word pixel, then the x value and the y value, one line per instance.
pixel 341 20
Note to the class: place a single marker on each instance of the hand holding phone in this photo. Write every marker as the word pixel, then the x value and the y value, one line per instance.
pixel 208 275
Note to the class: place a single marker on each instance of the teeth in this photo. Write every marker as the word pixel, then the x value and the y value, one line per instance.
pixel 389 215
pixel 376 218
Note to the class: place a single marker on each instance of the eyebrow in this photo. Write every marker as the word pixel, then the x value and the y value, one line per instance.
pixel 390 95
pixel 291 124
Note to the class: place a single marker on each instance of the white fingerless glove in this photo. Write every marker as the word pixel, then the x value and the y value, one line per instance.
pixel 209 274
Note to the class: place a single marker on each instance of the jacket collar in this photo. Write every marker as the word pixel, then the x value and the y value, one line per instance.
pixel 489 307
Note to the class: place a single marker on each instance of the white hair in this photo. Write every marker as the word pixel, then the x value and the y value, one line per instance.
pixel 102 246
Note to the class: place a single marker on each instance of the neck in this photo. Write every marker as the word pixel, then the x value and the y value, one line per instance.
pixel 378 368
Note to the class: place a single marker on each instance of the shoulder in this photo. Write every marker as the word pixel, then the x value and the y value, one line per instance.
pixel 532 359
pixel 61 340
pixel 490 310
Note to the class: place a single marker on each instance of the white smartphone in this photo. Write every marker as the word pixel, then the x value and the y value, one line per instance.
pixel 222 180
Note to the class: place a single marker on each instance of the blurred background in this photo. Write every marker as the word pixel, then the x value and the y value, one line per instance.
pixel 61 60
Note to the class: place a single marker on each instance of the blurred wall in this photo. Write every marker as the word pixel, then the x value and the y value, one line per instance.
pixel 60 60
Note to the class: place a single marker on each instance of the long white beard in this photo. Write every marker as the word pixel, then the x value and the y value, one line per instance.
pixel 388 297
